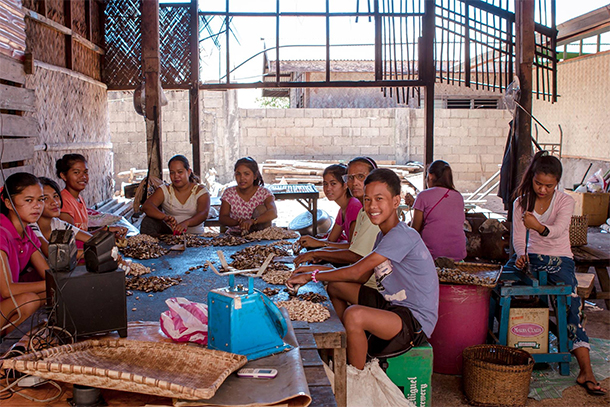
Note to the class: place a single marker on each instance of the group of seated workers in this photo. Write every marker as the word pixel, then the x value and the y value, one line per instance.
pixel 386 292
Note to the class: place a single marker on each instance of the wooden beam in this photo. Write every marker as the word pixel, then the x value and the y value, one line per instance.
pixel 12 170
pixel 151 68
pixel 69 43
pixel 194 90
pixel 18 126
pixel 11 70
pixel 88 18
pixel 14 98
pixel 64 30
pixel 426 51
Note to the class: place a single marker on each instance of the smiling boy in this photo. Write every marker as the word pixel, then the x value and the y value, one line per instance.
pixel 404 308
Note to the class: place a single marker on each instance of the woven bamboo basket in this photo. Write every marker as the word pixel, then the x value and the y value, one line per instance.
pixel 496 375
pixel 578 230
pixel 160 369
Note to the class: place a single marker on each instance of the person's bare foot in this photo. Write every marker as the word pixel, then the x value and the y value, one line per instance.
pixel 591 385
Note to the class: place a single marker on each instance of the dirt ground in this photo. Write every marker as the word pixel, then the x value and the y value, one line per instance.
pixel 447 389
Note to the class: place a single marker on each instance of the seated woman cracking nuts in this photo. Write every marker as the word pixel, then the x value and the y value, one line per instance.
pixel 403 310
pixel 181 207
pixel 248 206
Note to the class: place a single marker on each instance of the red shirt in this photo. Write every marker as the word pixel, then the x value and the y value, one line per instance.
pixel 75 208
pixel 18 249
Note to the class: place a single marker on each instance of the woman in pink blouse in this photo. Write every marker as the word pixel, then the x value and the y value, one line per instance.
pixel 546 212
pixel 249 205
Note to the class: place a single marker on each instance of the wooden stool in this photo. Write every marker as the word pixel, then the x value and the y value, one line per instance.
pixel 585 286
pixel 412 373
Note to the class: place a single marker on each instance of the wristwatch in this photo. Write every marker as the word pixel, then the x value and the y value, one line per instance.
pixel 545 232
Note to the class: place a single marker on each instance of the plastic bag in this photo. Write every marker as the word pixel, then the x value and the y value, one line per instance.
pixel 372 387
pixel 185 321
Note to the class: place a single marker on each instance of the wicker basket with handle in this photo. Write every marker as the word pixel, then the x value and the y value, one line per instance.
pixel 496 375
pixel 160 369
pixel 578 230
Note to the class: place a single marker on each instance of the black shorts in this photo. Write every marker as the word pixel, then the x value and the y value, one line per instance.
pixel 411 334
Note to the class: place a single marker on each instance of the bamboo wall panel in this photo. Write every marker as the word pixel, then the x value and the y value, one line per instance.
pixel 86 61
pixel 79 23
pixel 12 29
pixel 55 11
pixel 45 44
pixel 71 110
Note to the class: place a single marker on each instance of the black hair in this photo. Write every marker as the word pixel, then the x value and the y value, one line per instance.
pixel 252 166
pixel 388 177
pixel 337 171
pixel 14 185
pixel 44 181
pixel 443 174
pixel 364 160
pixel 542 163
pixel 187 166
pixel 66 162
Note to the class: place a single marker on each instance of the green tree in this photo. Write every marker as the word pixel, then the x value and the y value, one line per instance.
pixel 273 102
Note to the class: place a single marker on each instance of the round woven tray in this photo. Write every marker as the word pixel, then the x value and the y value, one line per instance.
pixel 475 270
pixel 160 369
pixel 496 375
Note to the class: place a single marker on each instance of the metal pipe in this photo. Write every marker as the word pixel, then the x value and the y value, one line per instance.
pixel 73 146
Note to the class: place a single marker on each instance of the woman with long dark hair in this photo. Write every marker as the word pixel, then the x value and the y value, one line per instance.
pixel 181 207
pixel 546 212
pixel 249 205
pixel 438 214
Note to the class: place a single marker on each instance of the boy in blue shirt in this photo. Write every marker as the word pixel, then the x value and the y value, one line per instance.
pixel 404 308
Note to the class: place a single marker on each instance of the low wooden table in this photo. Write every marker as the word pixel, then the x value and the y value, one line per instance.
pixel 595 254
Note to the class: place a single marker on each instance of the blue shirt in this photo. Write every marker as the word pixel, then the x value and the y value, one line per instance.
pixel 408 278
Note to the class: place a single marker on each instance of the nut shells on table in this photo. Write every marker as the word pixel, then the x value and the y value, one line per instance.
pixel 273 233
pixel 151 283
pixel 307 311
pixel 456 276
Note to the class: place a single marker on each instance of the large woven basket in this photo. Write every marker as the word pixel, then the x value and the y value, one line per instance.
pixel 496 375
pixel 578 230
pixel 160 369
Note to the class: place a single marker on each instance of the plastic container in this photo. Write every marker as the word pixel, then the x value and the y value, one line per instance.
pixel 463 312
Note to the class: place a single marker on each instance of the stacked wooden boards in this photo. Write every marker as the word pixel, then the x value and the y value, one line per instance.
pixel 18 130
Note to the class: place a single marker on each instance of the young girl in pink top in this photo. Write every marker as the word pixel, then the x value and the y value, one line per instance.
pixel 546 212
pixel 21 203
pixel 438 214
pixel 336 190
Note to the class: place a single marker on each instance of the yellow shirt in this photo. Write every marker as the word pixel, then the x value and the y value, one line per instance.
pixel 365 234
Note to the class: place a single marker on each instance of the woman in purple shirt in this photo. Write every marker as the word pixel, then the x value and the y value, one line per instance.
pixel 21 203
pixel 438 214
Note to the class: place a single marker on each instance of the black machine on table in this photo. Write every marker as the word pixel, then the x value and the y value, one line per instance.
pixel 88 299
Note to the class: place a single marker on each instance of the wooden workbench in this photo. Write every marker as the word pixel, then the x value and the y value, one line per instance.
pixel 595 254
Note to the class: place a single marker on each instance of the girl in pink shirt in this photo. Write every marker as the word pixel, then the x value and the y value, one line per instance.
pixel 546 213
pixel 21 203
pixel 335 189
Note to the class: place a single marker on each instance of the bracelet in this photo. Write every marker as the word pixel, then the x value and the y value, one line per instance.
pixel 313 275
pixel 255 221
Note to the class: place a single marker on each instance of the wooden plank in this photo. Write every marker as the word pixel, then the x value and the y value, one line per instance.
pixel 322 396
pixel 11 70
pixel 310 357
pixel 585 284
pixel 316 376
pixel 18 126
pixel 330 340
pixel 17 149
pixel 305 340
pixel 9 171
pixel 14 98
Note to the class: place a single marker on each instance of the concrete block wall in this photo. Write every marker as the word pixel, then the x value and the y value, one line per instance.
pixel 472 141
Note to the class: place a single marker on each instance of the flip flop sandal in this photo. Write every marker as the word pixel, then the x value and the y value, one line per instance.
pixel 593 392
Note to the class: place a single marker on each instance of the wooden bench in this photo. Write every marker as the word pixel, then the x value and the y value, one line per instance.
pixel 588 256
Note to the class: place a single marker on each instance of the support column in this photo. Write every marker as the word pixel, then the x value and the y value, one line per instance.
pixel 194 90
pixel 525 47
pixel 426 53
pixel 151 69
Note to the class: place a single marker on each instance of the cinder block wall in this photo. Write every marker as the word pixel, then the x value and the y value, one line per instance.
pixel 472 141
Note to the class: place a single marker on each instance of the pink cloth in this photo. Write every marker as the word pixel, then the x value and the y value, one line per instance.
pixel 18 249
pixel 351 214
pixel 241 209
pixel 443 226
pixel 557 242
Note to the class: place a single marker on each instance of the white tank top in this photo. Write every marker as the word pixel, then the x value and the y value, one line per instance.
pixel 181 212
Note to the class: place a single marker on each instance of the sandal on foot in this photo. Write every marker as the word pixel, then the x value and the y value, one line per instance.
pixel 593 392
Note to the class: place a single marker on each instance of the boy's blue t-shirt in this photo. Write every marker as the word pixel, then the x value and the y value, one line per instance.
pixel 408 278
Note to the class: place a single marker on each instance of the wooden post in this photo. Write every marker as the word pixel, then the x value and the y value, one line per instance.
pixel 426 52
pixel 194 91
pixel 151 68
pixel 69 43
pixel 525 47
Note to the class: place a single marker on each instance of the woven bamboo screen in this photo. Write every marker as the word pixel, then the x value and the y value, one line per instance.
pixel 122 68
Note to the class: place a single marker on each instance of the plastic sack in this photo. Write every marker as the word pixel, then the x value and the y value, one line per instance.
pixel 372 387
pixel 185 321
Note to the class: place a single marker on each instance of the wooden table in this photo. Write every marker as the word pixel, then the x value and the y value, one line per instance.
pixel 595 254
pixel 305 194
